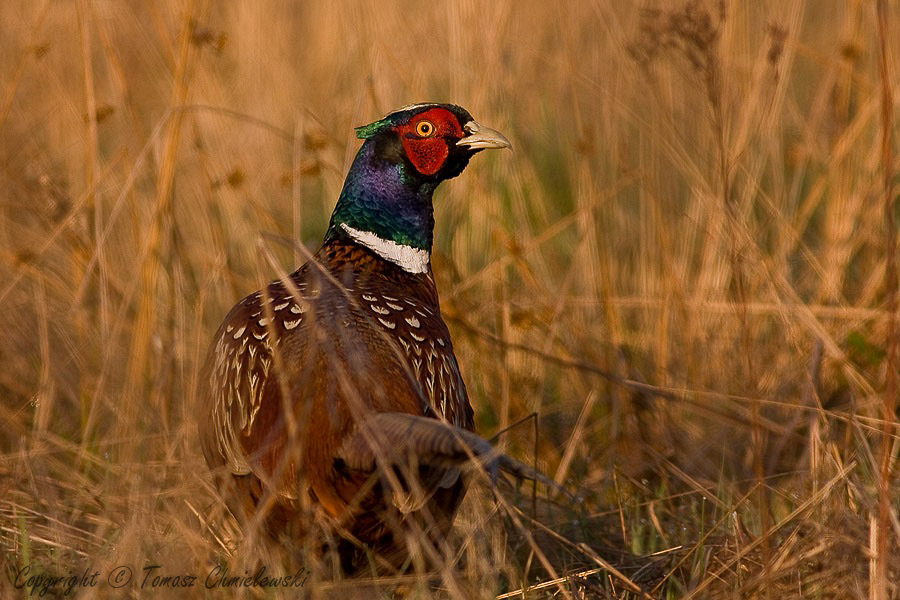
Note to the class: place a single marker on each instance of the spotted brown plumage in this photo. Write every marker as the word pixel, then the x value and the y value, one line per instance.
pixel 296 370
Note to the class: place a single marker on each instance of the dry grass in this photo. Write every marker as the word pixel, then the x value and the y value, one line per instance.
pixel 681 269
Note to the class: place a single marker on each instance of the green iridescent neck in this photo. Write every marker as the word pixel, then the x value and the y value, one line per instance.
pixel 382 197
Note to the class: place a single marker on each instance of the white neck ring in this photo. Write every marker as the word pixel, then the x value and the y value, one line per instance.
pixel 411 260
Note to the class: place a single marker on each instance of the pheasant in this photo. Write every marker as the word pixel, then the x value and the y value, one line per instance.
pixel 335 392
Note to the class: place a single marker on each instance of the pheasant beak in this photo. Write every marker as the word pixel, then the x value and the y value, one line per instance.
pixel 480 137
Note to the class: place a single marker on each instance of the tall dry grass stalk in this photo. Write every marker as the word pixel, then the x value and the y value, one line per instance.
pixel 681 268
pixel 881 575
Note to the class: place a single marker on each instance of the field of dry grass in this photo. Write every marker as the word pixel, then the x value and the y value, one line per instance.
pixel 683 269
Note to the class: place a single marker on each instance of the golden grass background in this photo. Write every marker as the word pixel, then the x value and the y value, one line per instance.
pixel 680 267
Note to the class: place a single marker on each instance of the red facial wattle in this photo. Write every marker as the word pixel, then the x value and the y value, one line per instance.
pixel 428 153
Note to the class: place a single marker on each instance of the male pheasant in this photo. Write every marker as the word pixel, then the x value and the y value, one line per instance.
pixel 319 387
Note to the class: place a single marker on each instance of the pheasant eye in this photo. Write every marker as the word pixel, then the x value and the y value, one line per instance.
pixel 424 128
